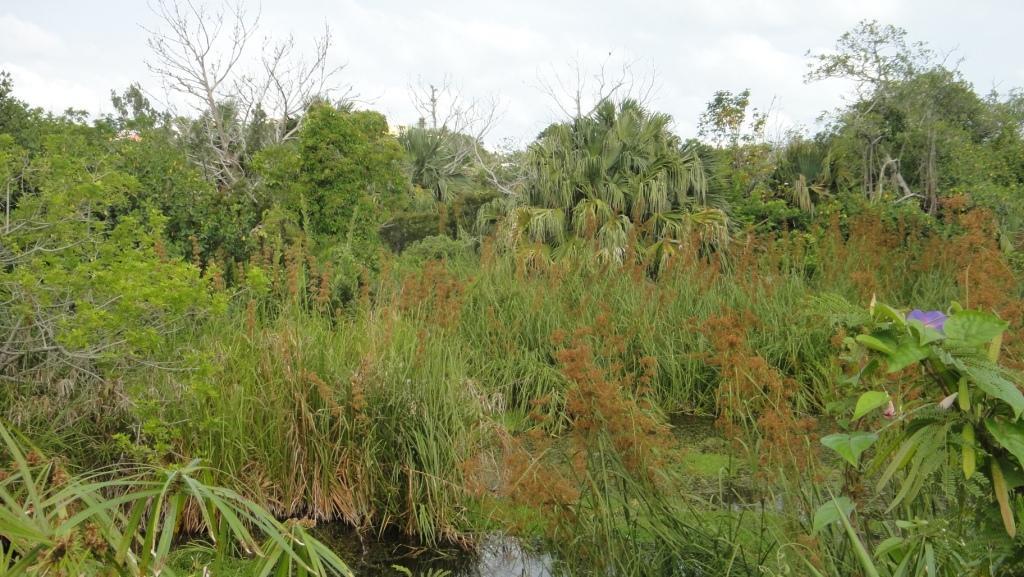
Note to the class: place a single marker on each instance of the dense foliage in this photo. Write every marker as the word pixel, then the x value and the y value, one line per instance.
pixel 398 330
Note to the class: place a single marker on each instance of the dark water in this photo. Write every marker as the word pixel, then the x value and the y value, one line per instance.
pixel 693 429
pixel 377 556
pixel 371 555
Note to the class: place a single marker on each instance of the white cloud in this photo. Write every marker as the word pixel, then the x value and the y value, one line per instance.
pixel 53 92
pixel 66 54
pixel 23 39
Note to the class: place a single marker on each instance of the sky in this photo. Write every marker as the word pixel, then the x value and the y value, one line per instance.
pixel 73 53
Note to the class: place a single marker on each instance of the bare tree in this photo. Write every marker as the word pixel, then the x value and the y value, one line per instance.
pixel 288 82
pixel 873 56
pixel 446 109
pixel 576 90
pixel 503 171
pixel 450 134
pixel 196 53
pixel 202 55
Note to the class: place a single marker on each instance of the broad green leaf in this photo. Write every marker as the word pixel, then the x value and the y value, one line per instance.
pixel 829 513
pixel 868 402
pixel 1009 435
pixel 906 353
pixel 850 446
pixel 875 344
pixel 1013 474
pixel 925 334
pixel 974 328
pixel 994 385
pixel 885 312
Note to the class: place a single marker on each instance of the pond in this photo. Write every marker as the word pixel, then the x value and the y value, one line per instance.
pixel 377 556
pixel 497 555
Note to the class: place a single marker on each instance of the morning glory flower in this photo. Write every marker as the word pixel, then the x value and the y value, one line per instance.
pixel 931 319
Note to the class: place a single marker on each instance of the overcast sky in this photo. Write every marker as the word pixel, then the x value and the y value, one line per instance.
pixel 73 52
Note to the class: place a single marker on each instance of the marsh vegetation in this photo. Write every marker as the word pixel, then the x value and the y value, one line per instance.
pixel 270 337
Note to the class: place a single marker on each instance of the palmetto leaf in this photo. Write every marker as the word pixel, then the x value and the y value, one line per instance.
pixel 138 516
pixel 599 176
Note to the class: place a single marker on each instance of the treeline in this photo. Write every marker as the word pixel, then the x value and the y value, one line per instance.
pixel 437 338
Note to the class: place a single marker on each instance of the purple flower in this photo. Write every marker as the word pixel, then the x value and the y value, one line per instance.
pixel 931 319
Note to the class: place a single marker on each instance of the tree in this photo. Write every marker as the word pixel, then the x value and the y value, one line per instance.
pixel 135 112
pixel 872 55
pixel 24 124
pixel 577 90
pixel 616 174
pixel 805 173
pixel 200 54
pixel 187 57
pixel 448 138
pixel 742 157
pixel 13 161
pixel 290 83
pixel 726 117
pixel 351 173
pixel 895 111
pixel 86 291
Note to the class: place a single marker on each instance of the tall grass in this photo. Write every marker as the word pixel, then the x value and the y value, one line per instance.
pixel 362 419
pixel 127 524
pixel 398 408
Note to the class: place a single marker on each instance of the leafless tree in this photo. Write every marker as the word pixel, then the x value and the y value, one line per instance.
pixel 443 107
pixel 452 128
pixel 196 53
pixel 202 54
pixel 287 82
pixel 577 89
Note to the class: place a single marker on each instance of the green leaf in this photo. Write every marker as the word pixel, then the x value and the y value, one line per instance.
pixel 890 545
pixel 974 328
pixel 1009 435
pixel 906 353
pixel 1013 474
pixel 996 386
pixel 885 312
pixel 830 513
pixel 866 371
pixel 925 334
pixel 875 344
pixel 868 402
pixel 903 456
pixel 859 549
pixel 850 446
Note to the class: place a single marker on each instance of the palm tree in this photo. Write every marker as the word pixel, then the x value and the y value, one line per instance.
pixel 437 158
pixel 615 175
pixel 805 173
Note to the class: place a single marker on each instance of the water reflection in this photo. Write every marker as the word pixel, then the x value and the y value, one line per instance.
pixel 386 556
pixel 506 557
